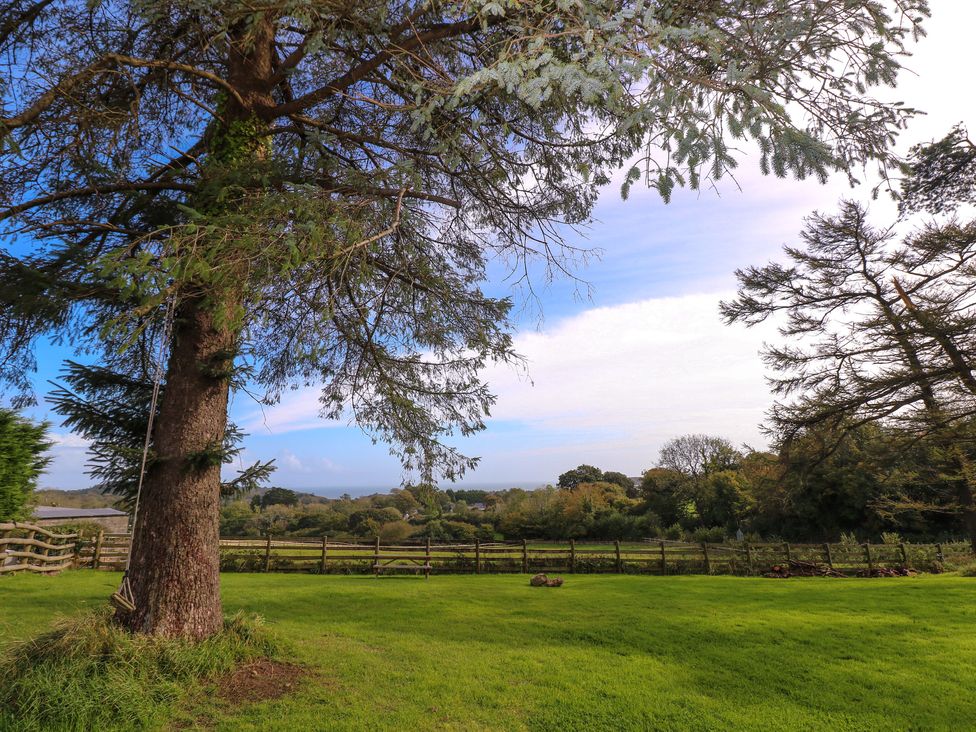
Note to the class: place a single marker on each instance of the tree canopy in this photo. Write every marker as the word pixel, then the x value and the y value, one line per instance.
pixel 333 181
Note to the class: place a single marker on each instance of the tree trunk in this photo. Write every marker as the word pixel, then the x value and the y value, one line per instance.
pixel 174 571
pixel 175 566
pixel 967 505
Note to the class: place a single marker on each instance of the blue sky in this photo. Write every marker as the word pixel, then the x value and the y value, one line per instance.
pixel 617 367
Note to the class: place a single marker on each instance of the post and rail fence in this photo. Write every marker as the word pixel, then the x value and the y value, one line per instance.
pixel 20 549
pixel 25 547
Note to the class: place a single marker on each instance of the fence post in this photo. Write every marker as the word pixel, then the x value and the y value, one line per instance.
pixel 789 553
pixel 708 563
pixel 97 556
pixel 867 555
pixel 76 554
pixel 616 548
pixel 28 548
pixel 267 554
pixel 904 555
pixel 525 558
pixel 830 559
pixel 938 553
pixel 477 556
pixel 749 556
pixel 664 561
pixel 325 554
pixel 572 556
pixel 427 558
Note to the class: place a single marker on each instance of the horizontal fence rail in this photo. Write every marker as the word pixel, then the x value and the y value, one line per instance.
pixel 653 556
pixel 30 548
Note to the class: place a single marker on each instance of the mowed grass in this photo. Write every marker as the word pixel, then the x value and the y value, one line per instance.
pixel 601 653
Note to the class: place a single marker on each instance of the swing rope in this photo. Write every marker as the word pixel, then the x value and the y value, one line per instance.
pixel 123 598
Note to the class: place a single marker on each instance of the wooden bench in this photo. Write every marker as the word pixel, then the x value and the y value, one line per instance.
pixel 402 560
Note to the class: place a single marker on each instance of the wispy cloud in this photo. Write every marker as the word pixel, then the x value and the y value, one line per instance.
pixel 298 409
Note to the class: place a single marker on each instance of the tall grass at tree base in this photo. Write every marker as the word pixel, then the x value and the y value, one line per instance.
pixel 89 674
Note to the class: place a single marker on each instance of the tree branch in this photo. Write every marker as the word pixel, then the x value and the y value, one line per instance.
pixel 92 191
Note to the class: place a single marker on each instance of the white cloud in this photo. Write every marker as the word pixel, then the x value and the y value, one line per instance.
pixel 291 461
pixel 68 453
pixel 640 371
pixel 610 384
pixel 290 466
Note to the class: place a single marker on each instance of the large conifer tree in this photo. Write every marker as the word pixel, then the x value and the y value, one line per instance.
pixel 318 186
pixel 881 330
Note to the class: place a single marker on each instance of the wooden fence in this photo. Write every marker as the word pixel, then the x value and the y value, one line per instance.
pixel 320 555
pixel 30 548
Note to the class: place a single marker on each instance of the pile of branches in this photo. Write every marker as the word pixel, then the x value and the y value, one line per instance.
pixel 797 568
pixel 887 572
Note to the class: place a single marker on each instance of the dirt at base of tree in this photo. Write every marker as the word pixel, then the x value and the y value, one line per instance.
pixel 259 681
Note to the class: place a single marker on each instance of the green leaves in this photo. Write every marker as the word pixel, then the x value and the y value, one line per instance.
pixel 22 459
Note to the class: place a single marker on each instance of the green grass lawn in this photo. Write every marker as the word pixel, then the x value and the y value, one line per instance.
pixel 601 653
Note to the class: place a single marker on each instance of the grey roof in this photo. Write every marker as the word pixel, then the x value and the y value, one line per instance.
pixel 58 512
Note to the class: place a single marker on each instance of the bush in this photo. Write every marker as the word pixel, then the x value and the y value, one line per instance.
pixel 967 570
pixel 395 531
pixel 89 674
pixel 714 535
pixel 674 532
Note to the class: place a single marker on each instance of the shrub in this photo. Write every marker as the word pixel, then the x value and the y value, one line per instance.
pixel 967 570
pixel 714 535
pixel 891 537
pixel 89 674
pixel 395 531
pixel 849 539
pixel 674 532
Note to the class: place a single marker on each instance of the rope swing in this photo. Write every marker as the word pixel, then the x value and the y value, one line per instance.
pixel 123 597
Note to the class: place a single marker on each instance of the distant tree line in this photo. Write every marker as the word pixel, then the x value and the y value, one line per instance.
pixel 702 487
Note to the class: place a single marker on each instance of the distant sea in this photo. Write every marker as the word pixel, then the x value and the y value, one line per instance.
pixel 359 490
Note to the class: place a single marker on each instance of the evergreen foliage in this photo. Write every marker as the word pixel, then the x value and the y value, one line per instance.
pixel 942 174
pixel 878 330
pixel 22 459
pixel 580 474
pixel 111 410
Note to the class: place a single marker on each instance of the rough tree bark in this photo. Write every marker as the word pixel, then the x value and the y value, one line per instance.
pixel 174 571
pixel 175 565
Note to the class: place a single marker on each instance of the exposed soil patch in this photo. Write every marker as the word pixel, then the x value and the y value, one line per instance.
pixel 259 681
